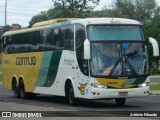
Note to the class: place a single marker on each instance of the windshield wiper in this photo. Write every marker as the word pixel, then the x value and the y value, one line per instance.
pixel 123 59
pixel 131 67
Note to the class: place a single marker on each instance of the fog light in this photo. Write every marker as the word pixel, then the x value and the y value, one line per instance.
pixel 98 85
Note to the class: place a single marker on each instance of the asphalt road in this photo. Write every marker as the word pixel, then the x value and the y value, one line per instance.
pixel 155 79
pixel 100 108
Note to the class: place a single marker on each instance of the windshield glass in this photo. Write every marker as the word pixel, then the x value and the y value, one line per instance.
pixel 105 32
pixel 118 59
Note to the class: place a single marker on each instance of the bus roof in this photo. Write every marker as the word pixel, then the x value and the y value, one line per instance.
pixel 117 21
pixel 84 21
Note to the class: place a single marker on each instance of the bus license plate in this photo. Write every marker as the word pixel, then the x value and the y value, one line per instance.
pixel 123 93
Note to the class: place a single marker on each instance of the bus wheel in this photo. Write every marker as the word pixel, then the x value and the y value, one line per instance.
pixel 120 101
pixel 71 98
pixel 23 94
pixel 16 91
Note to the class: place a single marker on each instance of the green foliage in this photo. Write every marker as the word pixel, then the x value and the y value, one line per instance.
pixel 75 8
pixel 154 71
pixel 142 10
pixel 38 18
pixel 66 9
pixel 152 29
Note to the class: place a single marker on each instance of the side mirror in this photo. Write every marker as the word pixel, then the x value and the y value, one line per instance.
pixel 155 46
pixel 87 49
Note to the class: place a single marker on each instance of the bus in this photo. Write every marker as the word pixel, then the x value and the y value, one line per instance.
pixel 89 58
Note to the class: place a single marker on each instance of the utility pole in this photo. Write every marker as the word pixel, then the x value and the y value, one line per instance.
pixel 5 12
pixel 63 7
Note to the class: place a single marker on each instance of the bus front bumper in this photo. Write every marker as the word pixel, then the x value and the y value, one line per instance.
pixel 99 93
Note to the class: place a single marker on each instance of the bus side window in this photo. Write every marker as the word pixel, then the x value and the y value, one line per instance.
pixel 80 38
pixel 35 39
pixel 17 41
pixel 56 38
pixel 68 37
pixel 26 42
pixel 7 44
pixel 4 43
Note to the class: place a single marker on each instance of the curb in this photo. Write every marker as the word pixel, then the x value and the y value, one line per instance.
pixel 154 93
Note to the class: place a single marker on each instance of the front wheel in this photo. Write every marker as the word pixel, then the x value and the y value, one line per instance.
pixel 71 98
pixel 120 101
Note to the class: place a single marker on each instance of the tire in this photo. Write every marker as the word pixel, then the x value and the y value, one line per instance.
pixel 71 97
pixel 16 91
pixel 120 101
pixel 23 94
pixel 31 95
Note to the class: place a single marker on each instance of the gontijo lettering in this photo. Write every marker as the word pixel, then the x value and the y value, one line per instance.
pixel 26 60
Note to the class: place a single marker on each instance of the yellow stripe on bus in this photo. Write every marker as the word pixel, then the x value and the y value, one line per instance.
pixel 115 83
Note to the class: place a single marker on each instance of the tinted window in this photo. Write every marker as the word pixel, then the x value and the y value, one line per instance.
pixel 57 38
pixel 48 39
pixel 80 38
pixel 45 40
pixel 119 32
pixel 68 37
pixel 17 43
pixel 7 44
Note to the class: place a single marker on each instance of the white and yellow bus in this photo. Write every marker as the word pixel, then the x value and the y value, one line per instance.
pixel 91 58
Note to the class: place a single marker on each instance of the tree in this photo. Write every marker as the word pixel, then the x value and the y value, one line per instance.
pixel 66 8
pixel 55 12
pixel 16 26
pixel 75 8
pixel 152 30
pixel 141 10
pixel 38 18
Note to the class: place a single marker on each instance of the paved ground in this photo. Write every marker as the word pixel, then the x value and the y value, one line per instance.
pixel 58 107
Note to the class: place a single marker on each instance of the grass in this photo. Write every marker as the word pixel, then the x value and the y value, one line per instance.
pixel 155 86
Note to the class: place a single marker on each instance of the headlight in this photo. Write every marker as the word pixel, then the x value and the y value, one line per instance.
pixel 144 84
pixel 98 85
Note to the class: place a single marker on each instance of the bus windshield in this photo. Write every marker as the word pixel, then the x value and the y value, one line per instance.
pixel 117 51
pixel 105 32
pixel 119 59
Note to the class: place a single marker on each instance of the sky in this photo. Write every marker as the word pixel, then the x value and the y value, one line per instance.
pixel 21 11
